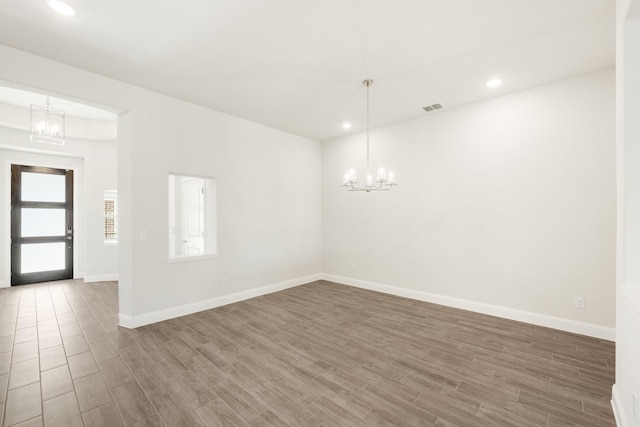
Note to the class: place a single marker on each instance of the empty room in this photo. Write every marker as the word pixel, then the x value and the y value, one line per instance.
pixel 338 213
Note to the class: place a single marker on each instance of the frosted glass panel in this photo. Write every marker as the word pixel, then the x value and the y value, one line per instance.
pixel 43 187
pixel 42 257
pixel 43 222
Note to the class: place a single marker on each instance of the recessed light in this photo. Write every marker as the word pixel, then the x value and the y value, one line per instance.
pixel 493 83
pixel 61 7
pixel 346 125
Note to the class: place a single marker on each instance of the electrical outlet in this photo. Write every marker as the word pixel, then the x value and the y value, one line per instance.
pixel 143 235
pixel 353 267
pixel 224 281
pixel 635 407
pixel 578 302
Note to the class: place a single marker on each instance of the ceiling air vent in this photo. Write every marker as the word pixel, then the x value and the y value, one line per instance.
pixel 433 107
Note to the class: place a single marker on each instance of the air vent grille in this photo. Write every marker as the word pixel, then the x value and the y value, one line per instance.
pixel 433 107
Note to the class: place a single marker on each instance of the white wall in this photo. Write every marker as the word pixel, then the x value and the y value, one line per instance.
pixel 268 193
pixel 505 206
pixel 95 171
pixel 268 188
pixel 628 267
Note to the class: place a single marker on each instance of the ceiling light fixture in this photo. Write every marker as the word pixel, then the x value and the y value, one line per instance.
pixel 47 124
pixel 346 125
pixel 61 7
pixel 494 83
pixel 385 180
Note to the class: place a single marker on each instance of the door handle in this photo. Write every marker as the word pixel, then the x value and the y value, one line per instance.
pixel 69 237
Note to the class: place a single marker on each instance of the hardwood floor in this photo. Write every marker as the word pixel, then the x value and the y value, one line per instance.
pixel 319 354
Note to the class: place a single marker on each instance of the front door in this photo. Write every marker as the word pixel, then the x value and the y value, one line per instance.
pixel 41 224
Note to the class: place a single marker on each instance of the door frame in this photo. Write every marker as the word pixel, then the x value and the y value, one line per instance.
pixel 78 225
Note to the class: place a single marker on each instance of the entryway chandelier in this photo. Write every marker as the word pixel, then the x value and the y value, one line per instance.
pixel 47 124
pixel 384 180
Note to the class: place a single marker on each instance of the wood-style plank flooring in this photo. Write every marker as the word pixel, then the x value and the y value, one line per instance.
pixel 319 354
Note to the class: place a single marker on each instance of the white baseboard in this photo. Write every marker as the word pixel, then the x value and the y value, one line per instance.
pixel 567 325
pixel 101 278
pixel 183 310
pixel 78 274
pixel 618 409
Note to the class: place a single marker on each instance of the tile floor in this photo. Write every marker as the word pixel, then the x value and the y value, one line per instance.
pixel 319 354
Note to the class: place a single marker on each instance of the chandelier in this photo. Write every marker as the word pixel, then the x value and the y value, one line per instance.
pixel 384 180
pixel 47 124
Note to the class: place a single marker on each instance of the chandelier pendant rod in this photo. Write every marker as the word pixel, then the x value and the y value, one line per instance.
pixel 368 83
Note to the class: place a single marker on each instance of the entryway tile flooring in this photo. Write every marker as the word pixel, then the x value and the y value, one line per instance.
pixel 319 354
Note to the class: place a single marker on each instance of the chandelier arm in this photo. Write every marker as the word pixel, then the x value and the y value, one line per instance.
pixel 379 186
pixel 351 187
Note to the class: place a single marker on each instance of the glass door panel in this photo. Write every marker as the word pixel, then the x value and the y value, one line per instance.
pixel 43 222
pixel 43 187
pixel 37 257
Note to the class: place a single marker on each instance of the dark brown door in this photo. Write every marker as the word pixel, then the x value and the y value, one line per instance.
pixel 41 224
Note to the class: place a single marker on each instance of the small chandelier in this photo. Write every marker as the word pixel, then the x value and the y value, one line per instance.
pixel 384 180
pixel 47 124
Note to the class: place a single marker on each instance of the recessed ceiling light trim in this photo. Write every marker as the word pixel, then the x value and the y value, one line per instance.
pixel 346 125
pixel 494 82
pixel 61 7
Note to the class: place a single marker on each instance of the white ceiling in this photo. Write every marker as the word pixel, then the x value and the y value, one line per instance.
pixel 297 65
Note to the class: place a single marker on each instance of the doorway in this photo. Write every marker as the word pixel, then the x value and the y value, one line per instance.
pixel 41 224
